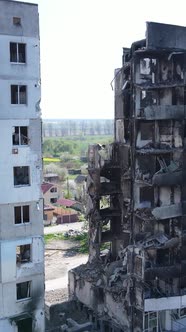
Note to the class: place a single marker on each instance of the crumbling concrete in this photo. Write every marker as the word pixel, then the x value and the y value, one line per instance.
pixel 137 194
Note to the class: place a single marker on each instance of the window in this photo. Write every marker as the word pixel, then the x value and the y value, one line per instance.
pixel 20 136
pixel 146 196
pixel 151 322
pixel 21 176
pixel 53 200
pixel 53 190
pixel 16 20
pixel 21 214
pixel 147 131
pixel 23 290
pixel 18 94
pixel 24 325
pixel 17 52
pixel 23 254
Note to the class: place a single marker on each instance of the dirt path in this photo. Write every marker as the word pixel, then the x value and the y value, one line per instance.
pixel 60 257
pixel 76 226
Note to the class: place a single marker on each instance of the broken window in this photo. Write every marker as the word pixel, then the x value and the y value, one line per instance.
pixel 145 66
pixel 178 61
pixel 21 176
pixel 18 94
pixel 104 202
pixel 145 168
pixel 24 325
pixel 182 312
pixel 23 290
pixel 147 131
pixel 148 69
pixel 166 71
pixel 23 254
pixel 148 98
pixel 20 136
pixel 21 214
pixel 16 20
pixel 166 132
pixel 18 52
pixel 163 257
pixel 178 96
pixel 146 196
pixel 53 190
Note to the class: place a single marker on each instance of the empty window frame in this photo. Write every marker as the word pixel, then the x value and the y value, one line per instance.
pixel 18 94
pixel 24 325
pixel 16 20
pixel 23 254
pixel 147 131
pixel 18 52
pixel 21 214
pixel 23 290
pixel 20 136
pixel 146 196
pixel 21 176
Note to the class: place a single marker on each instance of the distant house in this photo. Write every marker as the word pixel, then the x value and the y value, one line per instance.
pixel 80 179
pixel 65 216
pixel 48 214
pixel 51 177
pixel 50 193
pixel 68 203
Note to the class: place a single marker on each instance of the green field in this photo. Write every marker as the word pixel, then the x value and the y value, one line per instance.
pixel 51 160
pixel 74 146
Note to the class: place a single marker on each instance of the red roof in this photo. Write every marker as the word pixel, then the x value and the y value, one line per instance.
pixel 48 208
pixel 46 186
pixel 66 202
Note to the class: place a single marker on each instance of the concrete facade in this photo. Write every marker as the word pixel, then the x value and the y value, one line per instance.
pixel 21 202
pixel 137 194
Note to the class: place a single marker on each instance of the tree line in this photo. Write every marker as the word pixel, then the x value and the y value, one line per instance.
pixel 61 128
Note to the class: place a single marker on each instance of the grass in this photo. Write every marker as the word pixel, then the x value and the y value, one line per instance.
pixel 81 238
pixel 54 236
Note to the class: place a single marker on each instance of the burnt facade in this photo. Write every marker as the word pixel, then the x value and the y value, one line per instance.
pixel 137 194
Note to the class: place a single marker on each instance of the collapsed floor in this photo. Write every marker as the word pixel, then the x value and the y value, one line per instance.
pixel 137 194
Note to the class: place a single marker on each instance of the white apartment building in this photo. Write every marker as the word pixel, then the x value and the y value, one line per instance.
pixel 21 204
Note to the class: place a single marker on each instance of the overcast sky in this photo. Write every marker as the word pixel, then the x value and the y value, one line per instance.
pixel 81 44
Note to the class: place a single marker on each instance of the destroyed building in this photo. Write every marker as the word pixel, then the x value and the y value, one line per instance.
pixel 137 195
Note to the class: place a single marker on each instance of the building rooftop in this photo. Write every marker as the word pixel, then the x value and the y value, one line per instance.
pixel 46 186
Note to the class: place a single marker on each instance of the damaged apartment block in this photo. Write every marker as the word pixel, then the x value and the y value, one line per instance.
pixel 137 195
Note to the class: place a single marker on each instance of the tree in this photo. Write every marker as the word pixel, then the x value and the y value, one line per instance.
pixel 52 168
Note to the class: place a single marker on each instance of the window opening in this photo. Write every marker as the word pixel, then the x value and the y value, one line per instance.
pixel 16 20
pixel 20 136
pixel 23 254
pixel 21 176
pixel 21 214
pixel 18 52
pixel 18 94
pixel 23 290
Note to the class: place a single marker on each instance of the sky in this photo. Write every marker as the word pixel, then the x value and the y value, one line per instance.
pixel 81 45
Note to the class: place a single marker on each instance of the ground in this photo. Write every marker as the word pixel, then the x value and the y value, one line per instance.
pixel 60 257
